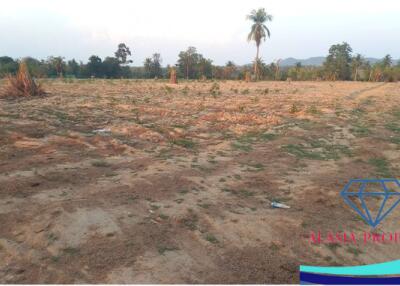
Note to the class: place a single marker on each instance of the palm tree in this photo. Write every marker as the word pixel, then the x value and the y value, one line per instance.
pixel 259 31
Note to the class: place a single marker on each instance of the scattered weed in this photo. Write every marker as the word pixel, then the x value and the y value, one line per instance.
pixel 294 108
pixel 71 251
pixel 360 131
pixel 355 251
pixel 393 127
pixel 162 249
pixel 100 164
pixel 215 90
pixel 190 222
pixel 313 110
pixel 245 91
pixel 333 246
pixel 211 238
pixel 381 166
pixel 185 143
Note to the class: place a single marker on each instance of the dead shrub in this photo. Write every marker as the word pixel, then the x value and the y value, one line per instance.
pixel 22 84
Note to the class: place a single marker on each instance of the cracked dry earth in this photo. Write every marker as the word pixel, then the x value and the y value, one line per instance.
pixel 123 181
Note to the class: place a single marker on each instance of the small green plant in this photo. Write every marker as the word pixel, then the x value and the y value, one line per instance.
pixel 204 205
pixel 100 164
pixel 381 166
pixel 185 143
pixel 273 246
pixel 71 250
pixel 268 136
pixel 163 216
pixel 333 246
pixel 215 90
pixel 358 111
pixel 294 108
pixel 393 127
pixel 190 221
pixel 265 91
pixel 302 152
pixel 396 113
pixel 354 251
pixel 239 193
pixel 313 110
pixel 245 91
pixel 185 90
pixel 241 146
pixel 360 130
pixel 168 89
pixel 395 140
pixel 211 238
pixel 162 249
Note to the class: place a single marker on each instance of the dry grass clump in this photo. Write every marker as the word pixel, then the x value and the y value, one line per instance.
pixel 22 84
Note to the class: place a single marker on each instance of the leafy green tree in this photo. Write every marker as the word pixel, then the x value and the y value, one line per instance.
pixel 264 70
pixel 73 68
pixel 122 54
pixel 387 61
pixel 218 72
pixel 337 64
pixel 187 61
pixel 94 67
pixel 147 64
pixel 157 69
pixel 357 63
pixel 204 67
pixel 8 66
pixel 259 31
pixel 36 68
pixel 193 65
pixel 230 70
pixel 152 66
pixel 56 66
pixel 111 67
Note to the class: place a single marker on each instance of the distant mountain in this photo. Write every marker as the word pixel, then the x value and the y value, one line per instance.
pixel 314 61
pixel 318 61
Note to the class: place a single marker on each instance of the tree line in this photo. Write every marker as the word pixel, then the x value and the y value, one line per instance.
pixel 340 64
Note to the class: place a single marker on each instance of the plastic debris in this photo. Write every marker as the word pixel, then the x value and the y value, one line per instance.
pixel 279 205
pixel 104 130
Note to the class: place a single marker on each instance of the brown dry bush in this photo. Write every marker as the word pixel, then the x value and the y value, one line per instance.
pixel 22 84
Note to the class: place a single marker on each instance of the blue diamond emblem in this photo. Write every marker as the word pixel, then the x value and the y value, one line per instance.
pixel 372 199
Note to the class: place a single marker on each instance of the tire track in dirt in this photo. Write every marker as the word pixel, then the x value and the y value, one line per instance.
pixel 356 93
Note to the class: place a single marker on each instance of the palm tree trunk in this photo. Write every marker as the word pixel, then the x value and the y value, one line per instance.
pixel 256 63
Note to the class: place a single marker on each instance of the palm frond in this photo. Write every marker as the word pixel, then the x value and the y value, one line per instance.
pixel 259 31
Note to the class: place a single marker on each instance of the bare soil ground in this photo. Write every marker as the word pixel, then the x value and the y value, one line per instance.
pixel 122 181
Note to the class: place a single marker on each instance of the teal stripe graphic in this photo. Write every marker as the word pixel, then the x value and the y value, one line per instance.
pixel 385 268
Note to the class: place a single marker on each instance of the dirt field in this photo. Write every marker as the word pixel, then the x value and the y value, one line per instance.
pixel 145 182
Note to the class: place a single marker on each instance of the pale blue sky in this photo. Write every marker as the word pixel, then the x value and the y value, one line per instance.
pixel 218 28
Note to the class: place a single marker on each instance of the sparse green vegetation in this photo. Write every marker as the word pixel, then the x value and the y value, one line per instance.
pixel 183 142
pixel 211 238
pixel 100 164
pixel 71 251
pixel 317 150
pixel 360 130
pixel 382 167
pixel 294 108
pixel 162 249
